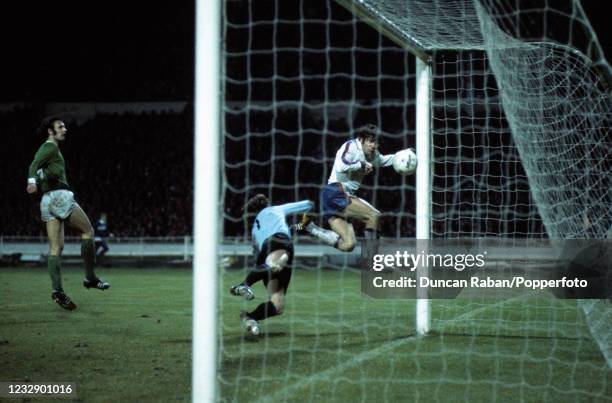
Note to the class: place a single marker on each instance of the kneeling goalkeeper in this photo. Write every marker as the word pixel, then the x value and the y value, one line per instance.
pixel 274 251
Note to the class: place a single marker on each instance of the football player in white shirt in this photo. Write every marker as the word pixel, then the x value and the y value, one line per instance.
pixel 355 159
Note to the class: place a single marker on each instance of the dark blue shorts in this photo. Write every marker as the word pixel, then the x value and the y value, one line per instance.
pixel 333 200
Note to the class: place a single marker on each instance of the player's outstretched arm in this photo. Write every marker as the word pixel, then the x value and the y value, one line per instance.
pixel 303 206
pixel 383 160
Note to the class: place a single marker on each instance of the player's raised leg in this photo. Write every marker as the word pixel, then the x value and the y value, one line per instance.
pixel 244 289
pixel 327 237
pixel 78 220
pixel 277 260
pixel 363 211
pixel 274 263
pixel 345 231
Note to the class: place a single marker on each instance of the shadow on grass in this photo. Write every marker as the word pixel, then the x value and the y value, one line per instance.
pixel 28 322
pixel 503 336
pixel 352 339
pixel 176 341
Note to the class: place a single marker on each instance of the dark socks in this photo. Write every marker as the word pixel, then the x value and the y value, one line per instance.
pixel 263 311
pixel 88 253
pixel 54 265
pixel 370 245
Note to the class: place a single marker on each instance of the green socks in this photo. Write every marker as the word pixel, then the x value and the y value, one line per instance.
pixel 88 253
pixel 54 265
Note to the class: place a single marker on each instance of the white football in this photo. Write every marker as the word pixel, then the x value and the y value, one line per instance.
pixel 405 162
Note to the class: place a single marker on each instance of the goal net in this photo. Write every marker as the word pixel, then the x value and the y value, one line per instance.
pixel 520 118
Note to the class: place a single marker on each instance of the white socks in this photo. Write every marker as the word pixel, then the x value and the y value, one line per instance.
pixel 326 236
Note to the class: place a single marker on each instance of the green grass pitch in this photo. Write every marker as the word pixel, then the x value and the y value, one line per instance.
pixel 335 344
pixel 130 343
pixel 133 343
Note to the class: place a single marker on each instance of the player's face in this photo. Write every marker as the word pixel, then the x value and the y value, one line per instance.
pixel 369 146
pixel 59 130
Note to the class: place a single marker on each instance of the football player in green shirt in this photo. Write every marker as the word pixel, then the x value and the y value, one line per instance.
pixel 47 176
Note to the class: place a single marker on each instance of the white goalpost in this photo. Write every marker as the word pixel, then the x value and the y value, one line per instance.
pixel 423 184
pixel 555 97
pixel 206 200
pixel 507 107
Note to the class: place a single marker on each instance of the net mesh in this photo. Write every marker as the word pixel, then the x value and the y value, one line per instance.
pixel 521 149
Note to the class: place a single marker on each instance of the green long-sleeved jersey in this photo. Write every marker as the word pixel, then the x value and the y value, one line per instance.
pixel 49 168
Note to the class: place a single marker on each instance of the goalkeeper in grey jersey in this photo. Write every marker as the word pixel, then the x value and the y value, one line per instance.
pixel 47 176
pixel 274 254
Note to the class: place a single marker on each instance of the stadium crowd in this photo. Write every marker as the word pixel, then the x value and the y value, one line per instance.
pixel 136 167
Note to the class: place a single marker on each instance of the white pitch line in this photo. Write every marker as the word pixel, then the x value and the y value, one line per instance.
pixel 361 357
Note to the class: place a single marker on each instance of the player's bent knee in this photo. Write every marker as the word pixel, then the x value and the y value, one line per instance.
pixel 374 217
pixel 346 246
pixel 277 261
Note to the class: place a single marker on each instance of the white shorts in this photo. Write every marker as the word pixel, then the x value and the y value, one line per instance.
pixel 57 205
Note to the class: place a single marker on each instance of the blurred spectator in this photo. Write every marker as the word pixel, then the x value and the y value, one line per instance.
pixel 101 233
pixel 143 165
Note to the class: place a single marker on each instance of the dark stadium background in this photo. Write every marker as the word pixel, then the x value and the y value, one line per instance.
pixel 134 342
pixel 136 166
